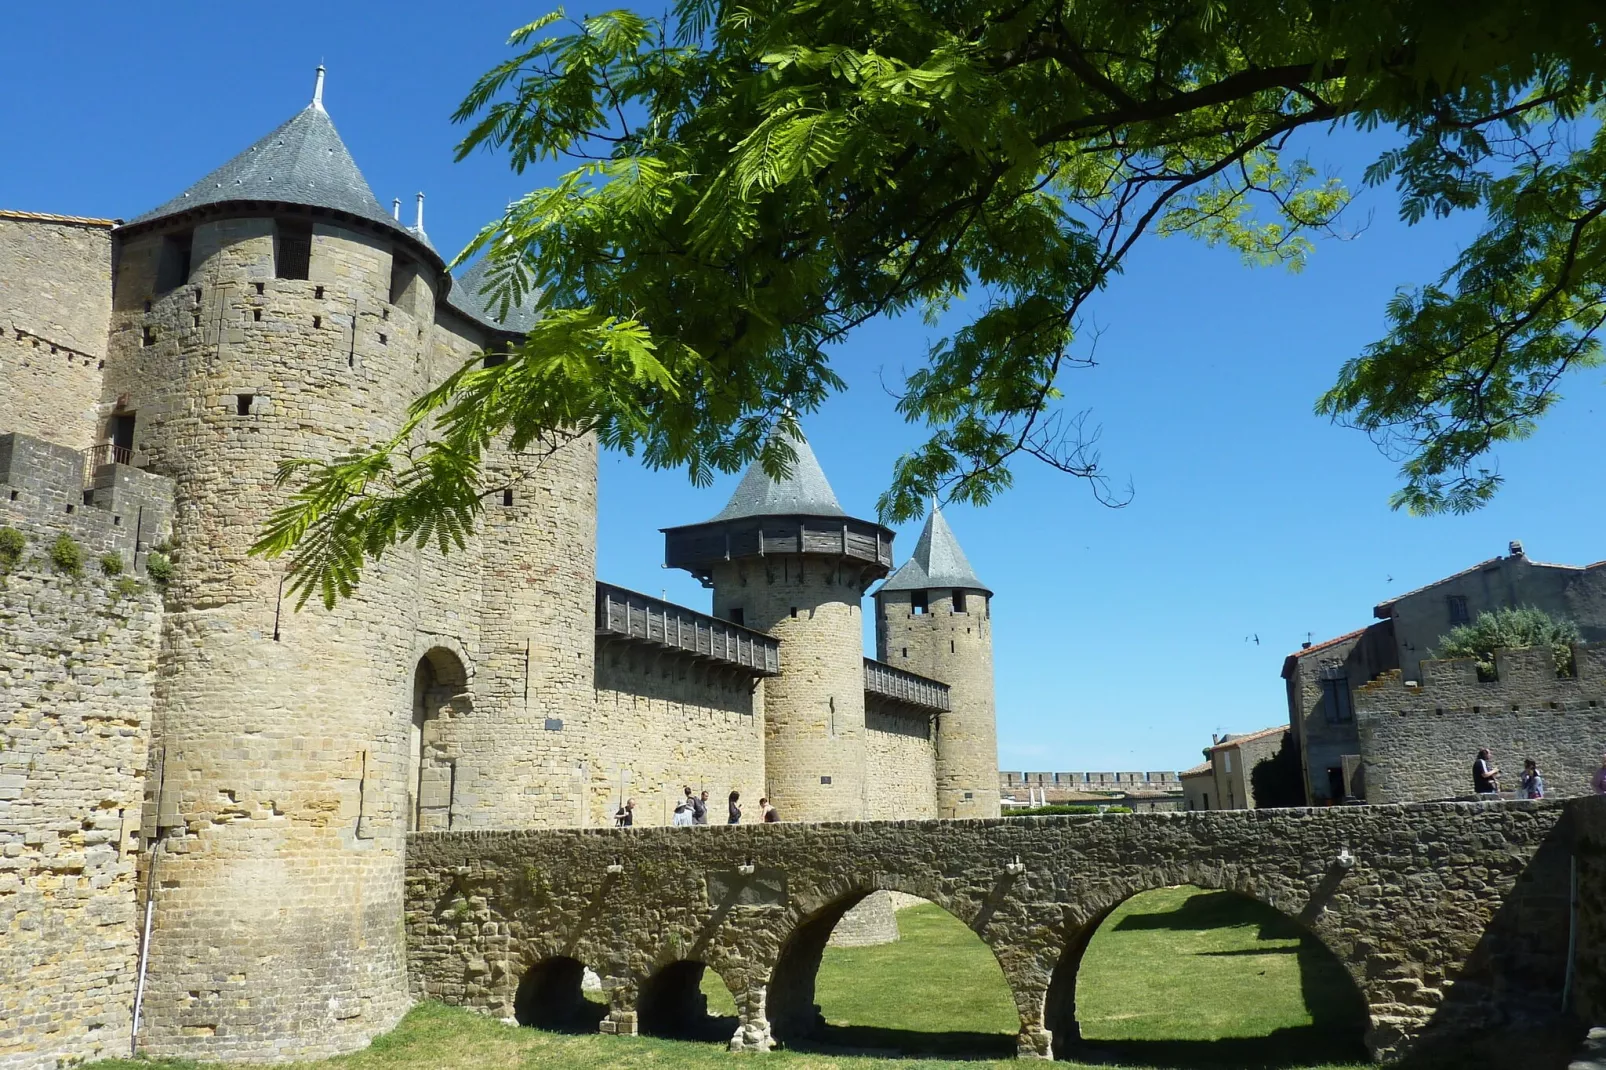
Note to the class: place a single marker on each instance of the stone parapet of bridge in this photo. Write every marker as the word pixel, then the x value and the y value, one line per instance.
pixel 1469 935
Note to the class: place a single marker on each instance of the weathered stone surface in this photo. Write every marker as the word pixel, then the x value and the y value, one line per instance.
pixel 1452 915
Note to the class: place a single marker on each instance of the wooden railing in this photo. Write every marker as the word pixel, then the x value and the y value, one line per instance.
pixel 105 453
pixel 900 685
pixel 629 615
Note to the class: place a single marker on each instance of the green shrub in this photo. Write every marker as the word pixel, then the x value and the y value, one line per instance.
pixel 12 543
pixel 111 563
pixel 127 587
pixel 1510 629
pixel 1065 808
pixel 66 555
pixel 159 567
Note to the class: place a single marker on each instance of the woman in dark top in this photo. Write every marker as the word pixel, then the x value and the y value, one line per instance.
pixel 736 809
pixel 1485 774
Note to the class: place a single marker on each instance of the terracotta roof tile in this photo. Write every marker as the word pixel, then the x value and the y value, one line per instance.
pixel 1233 741
pixel 1198 770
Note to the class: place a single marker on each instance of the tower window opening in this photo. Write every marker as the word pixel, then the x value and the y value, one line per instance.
pixel 292 251
pixel 351 360
pixel 195 320
pixel 147 336
pixel 242 404
pixel 507 497
pixel 383 339
pixel 173 262
pixel 384 313
pixel 959 601
pixel 1458 609
pixel 14 495
pixel 918 602
pixel 317 291
pixel 951 646
pixel 738 616
pixel 794 612
pixel 197 295
pixel 256 315
pixel 905 651
pixel 317 322
pixel 260 289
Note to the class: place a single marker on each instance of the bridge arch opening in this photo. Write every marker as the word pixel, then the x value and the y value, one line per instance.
pixel 936 989
pixel 685 1000
pixel 1184 975
pixel 552 995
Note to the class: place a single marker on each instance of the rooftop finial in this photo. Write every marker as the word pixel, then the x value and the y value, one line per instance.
pixel 317 90
pixel 419 225
pixel 395 209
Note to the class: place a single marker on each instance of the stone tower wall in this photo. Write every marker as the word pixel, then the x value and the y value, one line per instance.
pixel 664 723
pixel 901 756
pixel 957 649
pixel 55 302
pixel 77 671
pixel 814 731
pixel 1418 742
pixel 282 735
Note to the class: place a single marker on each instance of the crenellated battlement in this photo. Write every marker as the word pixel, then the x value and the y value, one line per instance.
pixel 109 507
pixel 1418 740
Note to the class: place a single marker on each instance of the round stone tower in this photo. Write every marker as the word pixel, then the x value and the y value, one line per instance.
pixel 934 617
pixel 272 311
pixel 784 558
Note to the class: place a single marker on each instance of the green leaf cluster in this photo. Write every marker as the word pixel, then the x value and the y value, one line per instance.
pixel 12 543
pixel 67 555
pixel 159 567
pixel 748 183
pixel 1510 629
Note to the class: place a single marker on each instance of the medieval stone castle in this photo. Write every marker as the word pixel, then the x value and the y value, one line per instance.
pixel 205 795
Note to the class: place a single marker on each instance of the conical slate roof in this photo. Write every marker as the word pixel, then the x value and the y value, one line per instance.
pixel 804 491
pixel 467 298
pixel 302 162
pixel 937 562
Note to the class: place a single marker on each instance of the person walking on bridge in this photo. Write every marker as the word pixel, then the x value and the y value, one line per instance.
pixel 1485 774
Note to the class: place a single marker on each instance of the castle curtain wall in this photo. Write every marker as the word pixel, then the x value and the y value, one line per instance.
pixel 900 757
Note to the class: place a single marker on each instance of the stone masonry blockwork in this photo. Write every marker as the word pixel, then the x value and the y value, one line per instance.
pixel 1451 917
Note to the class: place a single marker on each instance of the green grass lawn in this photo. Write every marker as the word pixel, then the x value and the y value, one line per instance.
pixel 1175 978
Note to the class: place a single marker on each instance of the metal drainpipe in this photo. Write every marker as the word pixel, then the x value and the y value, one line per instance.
pixel 145 943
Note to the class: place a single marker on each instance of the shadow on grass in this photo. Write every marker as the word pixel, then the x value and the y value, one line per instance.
pixel 903 1043
pixel 1283 1049
pixel 1216 910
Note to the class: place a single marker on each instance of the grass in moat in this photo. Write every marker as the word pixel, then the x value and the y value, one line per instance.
pixel 1175 978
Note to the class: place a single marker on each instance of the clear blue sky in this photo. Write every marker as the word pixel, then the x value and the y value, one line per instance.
pixel 1124 638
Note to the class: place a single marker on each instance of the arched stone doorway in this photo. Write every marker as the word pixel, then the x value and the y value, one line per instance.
pixel 1182 975
pixel 950 997
pixel 440 693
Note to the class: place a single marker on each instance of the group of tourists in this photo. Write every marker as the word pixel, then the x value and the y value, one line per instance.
pixel 693 810
pixel 1486 777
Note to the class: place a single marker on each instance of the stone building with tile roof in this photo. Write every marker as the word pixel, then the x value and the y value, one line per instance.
pixel 269 763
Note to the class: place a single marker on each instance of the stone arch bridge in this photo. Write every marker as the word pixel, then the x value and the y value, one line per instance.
pixel 1448 916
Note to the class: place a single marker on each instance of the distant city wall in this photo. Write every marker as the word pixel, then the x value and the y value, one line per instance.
pixel 1011 783
pixel 1418 742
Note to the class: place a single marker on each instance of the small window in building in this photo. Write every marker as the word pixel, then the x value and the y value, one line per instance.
pixel 1336 701
pixel 256 315
pixel 1458 609
pixel 242 404
pixel 317 322
pixel 1226 761
pixel 507 497
pixel 292 250
pixel 14 495
pixel 317 291
pixel 72 508
pixel 384 313
pixel 260 288
pixel 917 602
pixel 737 616
pixel 825 780
pixel 905 651
pixel 117 521
pixel 951 647
pixel 382 339
pixel 959 601
pixel 148 336
pixel 173 262
pixel 195 320
pixel 1206 798
pixel 794 612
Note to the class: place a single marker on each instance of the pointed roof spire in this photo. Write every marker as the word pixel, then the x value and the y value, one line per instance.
pixel 805 490
pixel 937 562
pixel 303 162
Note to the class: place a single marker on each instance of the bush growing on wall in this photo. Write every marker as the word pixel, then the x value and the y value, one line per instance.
pixel 12 542
pixel 66 555
pixel 1510 629
pixel 159 568
pixel 111 563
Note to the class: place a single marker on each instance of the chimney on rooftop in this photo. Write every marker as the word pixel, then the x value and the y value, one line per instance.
pixel 395 209
pixel 1305 645
pixel 317 90
pixel 1515 546
pixel 419 226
